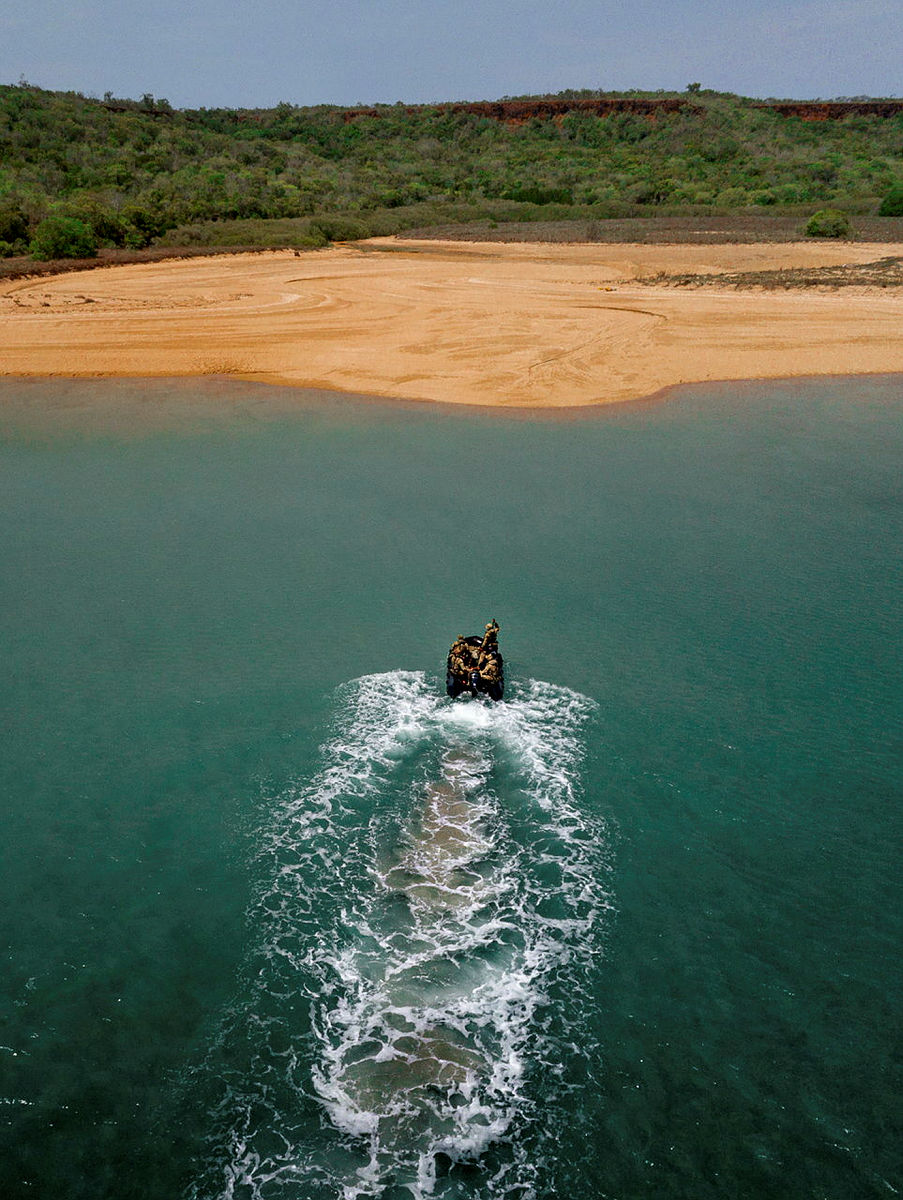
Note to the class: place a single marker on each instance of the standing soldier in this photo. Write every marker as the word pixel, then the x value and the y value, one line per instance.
pixel 491 636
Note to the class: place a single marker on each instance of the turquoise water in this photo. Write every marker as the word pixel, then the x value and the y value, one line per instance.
pixel 279 920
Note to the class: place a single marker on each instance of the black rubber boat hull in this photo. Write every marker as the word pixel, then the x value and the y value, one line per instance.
pixel 456 686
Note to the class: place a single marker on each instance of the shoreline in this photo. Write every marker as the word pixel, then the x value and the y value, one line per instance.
pixel 509 325
pixel 137 406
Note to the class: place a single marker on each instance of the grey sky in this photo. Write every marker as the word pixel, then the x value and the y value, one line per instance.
pixel 213 52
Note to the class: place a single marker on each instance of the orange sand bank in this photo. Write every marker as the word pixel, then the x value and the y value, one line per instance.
pixel 466 323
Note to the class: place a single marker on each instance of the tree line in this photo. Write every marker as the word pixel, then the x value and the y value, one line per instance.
pixel 77 173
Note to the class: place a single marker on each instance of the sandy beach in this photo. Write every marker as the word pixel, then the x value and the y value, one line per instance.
pixel 469 323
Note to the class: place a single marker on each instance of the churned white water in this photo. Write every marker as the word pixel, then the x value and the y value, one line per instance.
pixel 424 895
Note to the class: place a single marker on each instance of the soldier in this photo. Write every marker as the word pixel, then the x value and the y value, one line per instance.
pixel 458 656
pixel 490 671
pixel 491 636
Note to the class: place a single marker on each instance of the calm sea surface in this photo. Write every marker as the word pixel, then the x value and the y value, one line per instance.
pixel 278 921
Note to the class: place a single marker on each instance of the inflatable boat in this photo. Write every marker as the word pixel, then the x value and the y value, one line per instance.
pixel 475 666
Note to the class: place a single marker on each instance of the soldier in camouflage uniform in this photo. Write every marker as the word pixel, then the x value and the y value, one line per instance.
pixel 488 663
pixel 459 656
pixel 490 671
pixel 490 637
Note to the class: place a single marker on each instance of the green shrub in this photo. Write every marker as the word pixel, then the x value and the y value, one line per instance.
pixel 828 223
pixel 63 237
pixel 141 226
pixel 13 225
pixel 892 204
pixel 732 197
pixel 108 228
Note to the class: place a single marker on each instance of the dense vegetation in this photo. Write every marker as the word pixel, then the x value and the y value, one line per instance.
pixel 133 171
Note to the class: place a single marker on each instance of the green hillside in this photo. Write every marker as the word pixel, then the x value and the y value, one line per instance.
pixel 131 172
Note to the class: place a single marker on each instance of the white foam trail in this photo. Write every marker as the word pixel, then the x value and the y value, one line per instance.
pixel 412 1058
pixel 428 891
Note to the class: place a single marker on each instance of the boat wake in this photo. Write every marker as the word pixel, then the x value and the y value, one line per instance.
pixel 430 900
